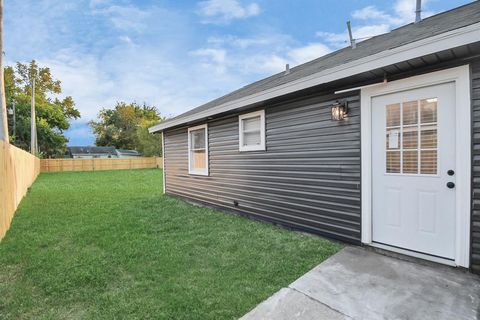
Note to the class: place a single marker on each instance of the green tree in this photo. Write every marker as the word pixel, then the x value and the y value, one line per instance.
pixel 149 145
pixel 53 114
pixel 126 127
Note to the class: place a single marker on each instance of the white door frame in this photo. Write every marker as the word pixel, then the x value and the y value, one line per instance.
pixel 461 77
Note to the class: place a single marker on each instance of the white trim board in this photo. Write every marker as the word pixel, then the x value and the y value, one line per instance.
pixel 444 41
pixel 413 254
pixel 164 172
pixel 261 146
pixel 461 77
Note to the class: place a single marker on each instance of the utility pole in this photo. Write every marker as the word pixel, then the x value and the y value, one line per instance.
pixel 3 99
pixel 14 118
pixel 33 124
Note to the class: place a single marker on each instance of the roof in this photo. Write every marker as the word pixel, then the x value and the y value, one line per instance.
pixel 439 24
pixel 128 152
pixel 90 150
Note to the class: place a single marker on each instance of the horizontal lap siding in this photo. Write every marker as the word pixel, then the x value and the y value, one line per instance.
pixel 475 247
pixel 309 177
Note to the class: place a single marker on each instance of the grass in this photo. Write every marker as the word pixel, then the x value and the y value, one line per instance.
pixel 109 245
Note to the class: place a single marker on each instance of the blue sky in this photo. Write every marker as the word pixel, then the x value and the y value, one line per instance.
pixel 179 54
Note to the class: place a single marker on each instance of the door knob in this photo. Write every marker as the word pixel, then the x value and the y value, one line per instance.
pixel 450 185
pixel 450 172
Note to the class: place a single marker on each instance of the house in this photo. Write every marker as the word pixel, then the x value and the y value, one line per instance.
pixel 375 145
pixel 123 153
pixel 88 152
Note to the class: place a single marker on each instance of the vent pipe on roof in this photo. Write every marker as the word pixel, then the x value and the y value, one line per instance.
pixel 287 68
pixel 418 11
pixel 353 44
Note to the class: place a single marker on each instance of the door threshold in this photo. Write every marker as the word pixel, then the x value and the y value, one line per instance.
pixel 414 254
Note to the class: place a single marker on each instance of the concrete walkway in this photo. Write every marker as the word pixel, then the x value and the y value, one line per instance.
pixel 361 284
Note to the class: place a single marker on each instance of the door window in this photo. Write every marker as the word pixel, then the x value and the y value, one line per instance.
pixel 411 137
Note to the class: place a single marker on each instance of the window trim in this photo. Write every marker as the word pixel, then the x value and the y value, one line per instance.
pixel 261 146
pixel 203 172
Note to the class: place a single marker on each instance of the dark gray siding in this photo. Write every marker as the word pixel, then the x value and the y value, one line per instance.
pixel 475 248
pixel 308 179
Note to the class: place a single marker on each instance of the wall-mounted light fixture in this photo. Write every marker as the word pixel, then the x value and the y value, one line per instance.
pixel 339 110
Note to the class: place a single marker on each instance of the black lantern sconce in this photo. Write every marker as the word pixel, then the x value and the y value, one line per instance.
pixel 339 110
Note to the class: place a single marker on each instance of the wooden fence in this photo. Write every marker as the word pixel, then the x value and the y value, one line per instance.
pixel 56 165
pixel 18 170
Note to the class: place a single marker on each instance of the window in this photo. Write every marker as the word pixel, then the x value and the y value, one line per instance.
pixel 198 150
pixel 411 129
pixel 252 131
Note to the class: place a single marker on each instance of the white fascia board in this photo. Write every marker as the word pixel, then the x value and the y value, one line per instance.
pixel 444 41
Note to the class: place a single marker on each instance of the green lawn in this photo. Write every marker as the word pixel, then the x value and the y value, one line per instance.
pixel 109 245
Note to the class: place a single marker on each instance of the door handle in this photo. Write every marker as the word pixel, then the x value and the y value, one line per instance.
pixel 450 185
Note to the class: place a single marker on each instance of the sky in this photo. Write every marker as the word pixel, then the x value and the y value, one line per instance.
pixel 177 55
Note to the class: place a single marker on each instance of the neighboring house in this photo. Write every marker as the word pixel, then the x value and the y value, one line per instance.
pixel 376 145
pixel 122 153
pixel 99 152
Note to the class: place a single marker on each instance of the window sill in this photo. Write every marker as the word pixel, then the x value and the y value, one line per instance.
pixel 253 148
pixel 198 173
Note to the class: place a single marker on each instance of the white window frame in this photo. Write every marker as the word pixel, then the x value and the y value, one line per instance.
pixel 203 172
pixel 461 77
pixel 259 147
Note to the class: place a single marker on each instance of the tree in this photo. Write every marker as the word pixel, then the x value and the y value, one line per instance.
pixel 126 127
pixel 149 145
pixel 53 114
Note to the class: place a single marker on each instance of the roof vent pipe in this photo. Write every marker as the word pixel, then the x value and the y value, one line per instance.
pixel 353 44
pixel 418 11
pixel 287 68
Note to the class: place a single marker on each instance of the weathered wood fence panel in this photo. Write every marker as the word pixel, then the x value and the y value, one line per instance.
pixel 18 170
pixel 57 165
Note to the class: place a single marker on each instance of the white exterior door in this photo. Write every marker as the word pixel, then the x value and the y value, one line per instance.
pixel 413 170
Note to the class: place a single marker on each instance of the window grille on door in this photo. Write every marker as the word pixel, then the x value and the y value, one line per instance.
pixel 411 137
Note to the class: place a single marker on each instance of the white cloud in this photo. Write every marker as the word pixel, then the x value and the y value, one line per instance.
pixel 308 52
pixel 243 43
pixel 339 40
pixel 82 78
pixel 96 3
pixel 224 11
pixel 372 13
pixel 126 39
pixel 126 18
pixel 262 56
pixel 377 22
pixel 212 58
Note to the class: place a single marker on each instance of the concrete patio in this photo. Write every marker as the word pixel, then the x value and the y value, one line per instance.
pixel 361 284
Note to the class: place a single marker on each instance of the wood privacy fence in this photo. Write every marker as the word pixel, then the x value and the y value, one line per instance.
pixel 56 165
pixel 18 170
